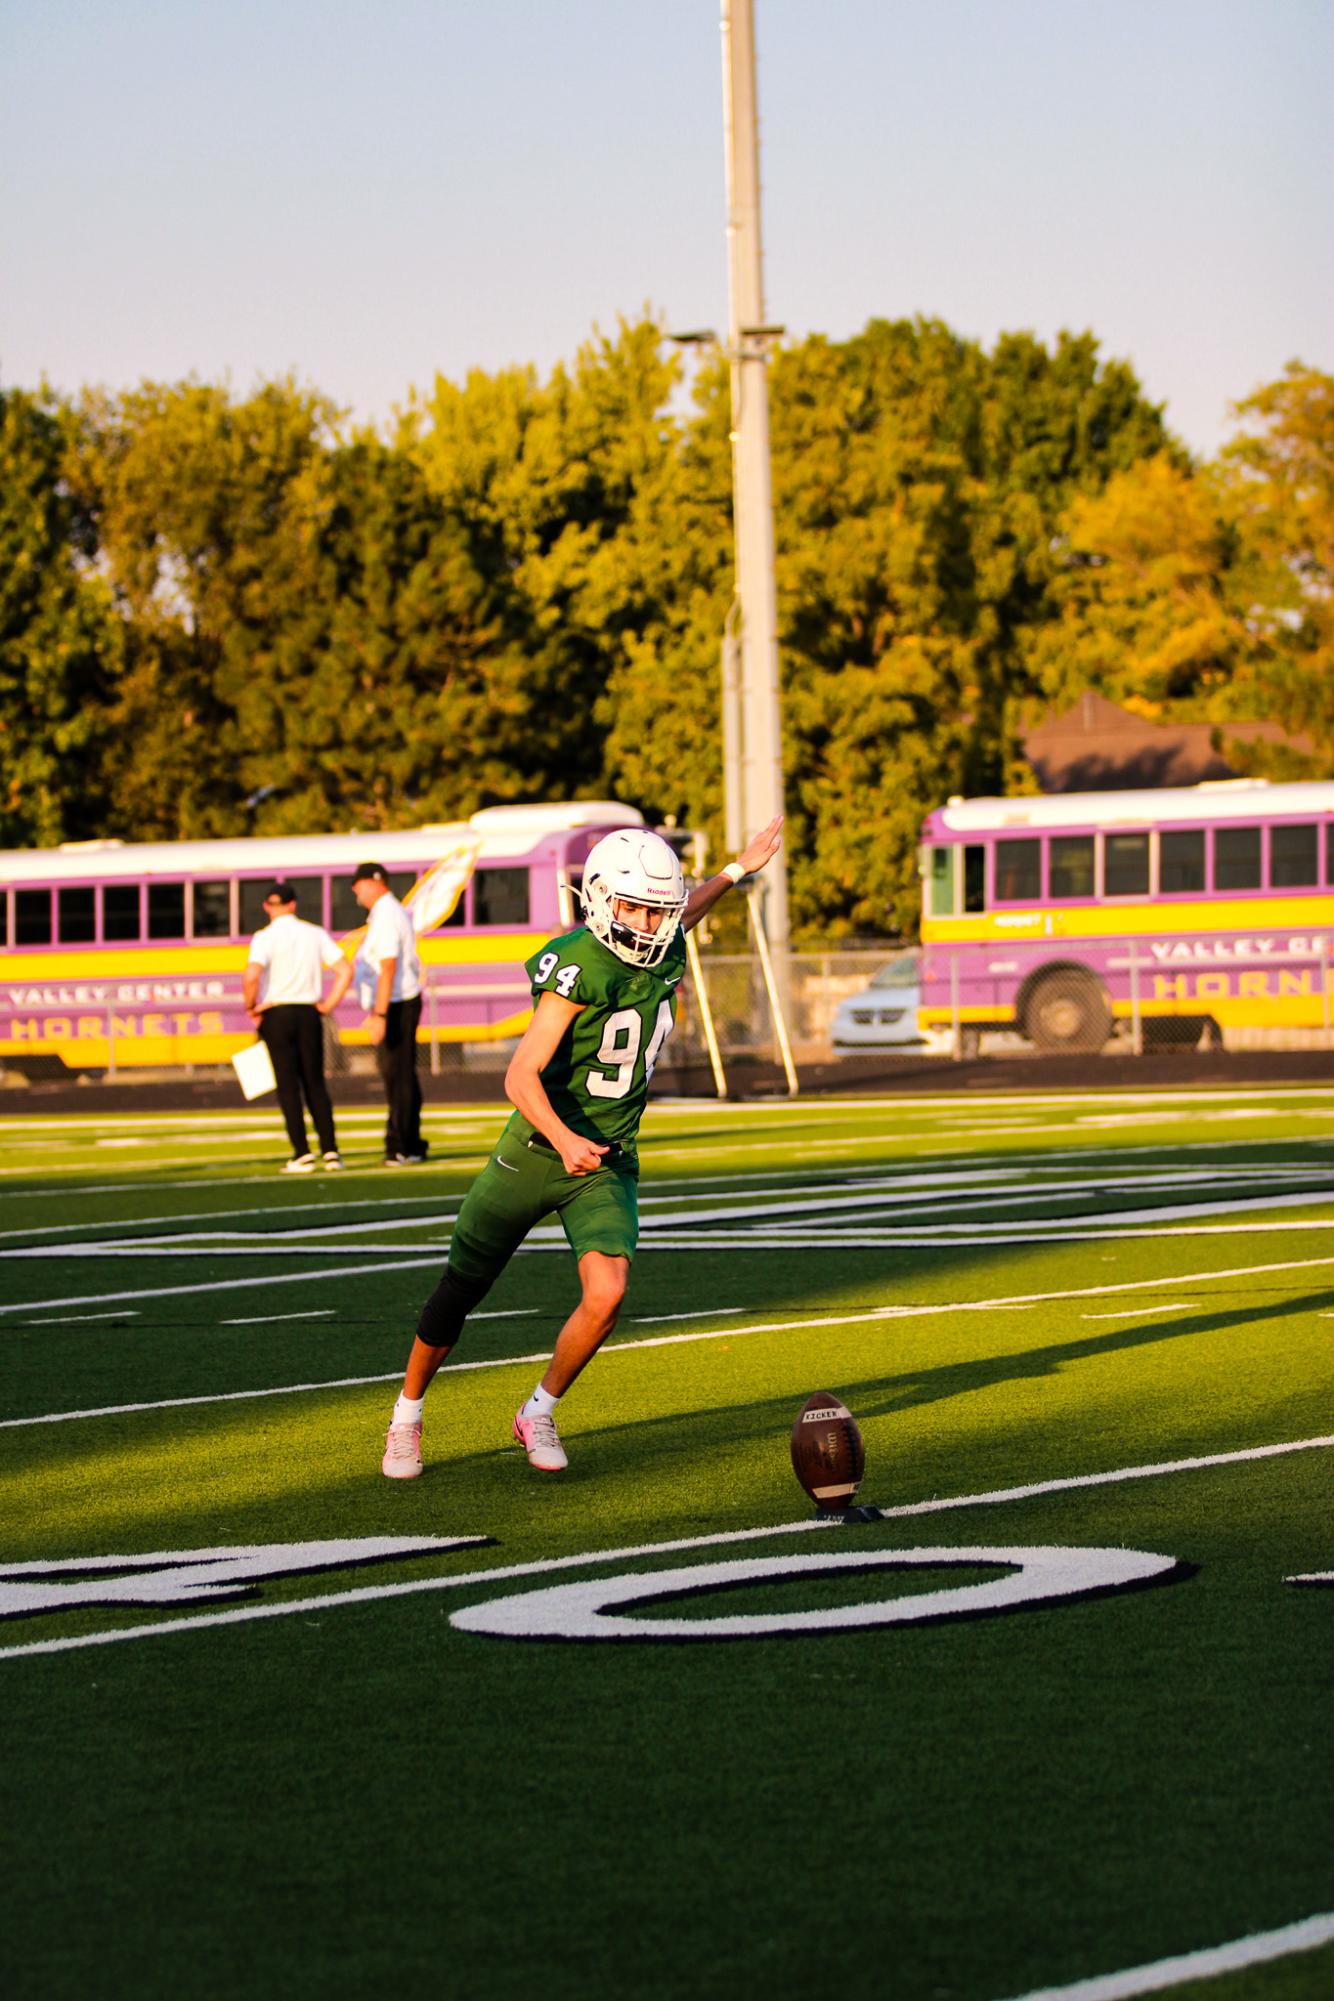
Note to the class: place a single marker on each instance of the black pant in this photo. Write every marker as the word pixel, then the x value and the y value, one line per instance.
pixel 396 1060
pixel 294 1036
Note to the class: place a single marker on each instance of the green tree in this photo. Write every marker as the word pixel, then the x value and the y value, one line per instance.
pixel 1143 609
pixel 1276 481
pixel 919 484
pixel 59 642
pixel 563 494
pixel 206 511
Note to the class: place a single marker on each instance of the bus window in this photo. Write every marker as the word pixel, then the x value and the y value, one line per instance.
pixel 212 910
pixel 32 917
pixel 1236 857
pixel 500 896
pixel 974 879
pixel 166 910
pixel 940 882
pixel 120 912
pixel 252 916
pixel 76 915
pixel 1018 871
pixel 1071 866
pixel 345 913
pixel 1181 862
pixel 1294 857
pixel 1125 865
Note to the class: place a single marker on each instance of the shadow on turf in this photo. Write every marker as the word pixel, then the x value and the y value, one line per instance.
pixel 882 1396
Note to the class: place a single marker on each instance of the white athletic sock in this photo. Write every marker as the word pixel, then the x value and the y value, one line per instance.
pixel 408 1411
pixel 540 1404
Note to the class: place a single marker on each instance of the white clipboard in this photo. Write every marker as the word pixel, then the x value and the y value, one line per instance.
pixel 254 1070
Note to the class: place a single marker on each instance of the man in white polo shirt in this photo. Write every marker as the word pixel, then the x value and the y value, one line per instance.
pixel 283 982
pixel 389 986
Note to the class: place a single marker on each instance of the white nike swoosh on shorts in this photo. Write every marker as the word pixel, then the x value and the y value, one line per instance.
pixel 508 1165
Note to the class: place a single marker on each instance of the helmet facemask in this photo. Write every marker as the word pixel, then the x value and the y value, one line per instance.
pixel 636 948
pixel 639 868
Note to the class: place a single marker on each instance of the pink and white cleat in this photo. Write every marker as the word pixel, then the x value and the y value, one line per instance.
pixel 402 1452
pixel 539 1439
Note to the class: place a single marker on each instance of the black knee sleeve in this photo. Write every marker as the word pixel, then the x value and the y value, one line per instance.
pixel 445 1311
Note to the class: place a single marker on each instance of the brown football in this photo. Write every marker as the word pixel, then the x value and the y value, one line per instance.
pixel 828 1456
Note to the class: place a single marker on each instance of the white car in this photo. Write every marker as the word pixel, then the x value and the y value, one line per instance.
pixel 884 1014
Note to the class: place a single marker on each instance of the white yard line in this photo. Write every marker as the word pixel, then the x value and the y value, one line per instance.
pixel 823 1205
pixel 862 1316
pixel 947 1103
pixel 74 1319
pixel 207 1122
pixel 351 1169
pixel 1155 1306
pixel 369 1594
pixel 267 1319
pixel 785 1237
pixel 318 1208
pixel 217 1285
pixel 1254 1950
pixel 982 1178
pixel 879 1205
pixel 207 1246
pixel 543 1241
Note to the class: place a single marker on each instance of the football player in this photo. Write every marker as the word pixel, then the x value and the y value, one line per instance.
pixel 605 998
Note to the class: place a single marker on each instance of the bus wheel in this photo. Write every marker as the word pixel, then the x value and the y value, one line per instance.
pixel 1067 1011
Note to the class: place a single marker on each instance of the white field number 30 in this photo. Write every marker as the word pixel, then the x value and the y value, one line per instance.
pixel 619 1050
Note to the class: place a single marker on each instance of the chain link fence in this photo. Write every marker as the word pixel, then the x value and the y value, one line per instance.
pixel 1147 1003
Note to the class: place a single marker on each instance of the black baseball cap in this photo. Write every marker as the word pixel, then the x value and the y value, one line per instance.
pixel 370 872
pixel 280 892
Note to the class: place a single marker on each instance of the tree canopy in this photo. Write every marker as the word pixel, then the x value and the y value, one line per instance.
pixel 225 614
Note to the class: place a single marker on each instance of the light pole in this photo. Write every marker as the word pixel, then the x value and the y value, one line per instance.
pixel 752 731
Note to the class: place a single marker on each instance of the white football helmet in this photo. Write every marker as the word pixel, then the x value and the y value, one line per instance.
pixel 633 866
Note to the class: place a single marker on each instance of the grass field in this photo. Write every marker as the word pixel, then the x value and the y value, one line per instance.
pixel 428 1756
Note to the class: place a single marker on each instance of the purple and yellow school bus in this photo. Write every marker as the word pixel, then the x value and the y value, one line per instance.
pixel 119 955
pixel 1060 916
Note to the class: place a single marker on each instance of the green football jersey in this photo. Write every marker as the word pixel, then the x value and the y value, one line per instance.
pixel 598 1079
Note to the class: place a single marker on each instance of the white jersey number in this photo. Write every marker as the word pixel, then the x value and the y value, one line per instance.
pixel 619 1050
pixel 662 1028
pixel 565 978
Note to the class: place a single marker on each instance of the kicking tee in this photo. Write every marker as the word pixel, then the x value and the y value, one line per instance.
pixel 598 1078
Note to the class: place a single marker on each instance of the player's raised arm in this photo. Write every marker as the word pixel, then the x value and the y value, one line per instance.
pixel 759 851
pixel 526 1092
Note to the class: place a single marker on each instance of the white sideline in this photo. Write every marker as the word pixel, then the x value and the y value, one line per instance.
pixel 1253 1950
pixel 371 1593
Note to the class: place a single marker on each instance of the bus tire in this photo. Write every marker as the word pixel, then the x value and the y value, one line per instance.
pixel 1067 1011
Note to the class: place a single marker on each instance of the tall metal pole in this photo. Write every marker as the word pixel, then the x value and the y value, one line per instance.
pixel 752 733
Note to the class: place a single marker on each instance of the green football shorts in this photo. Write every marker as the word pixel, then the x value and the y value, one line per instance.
pixel 523 1183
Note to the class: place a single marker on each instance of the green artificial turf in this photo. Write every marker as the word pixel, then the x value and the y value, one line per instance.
pixel 356 1795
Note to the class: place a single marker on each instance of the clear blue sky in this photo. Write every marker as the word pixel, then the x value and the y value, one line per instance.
pixel 368 193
